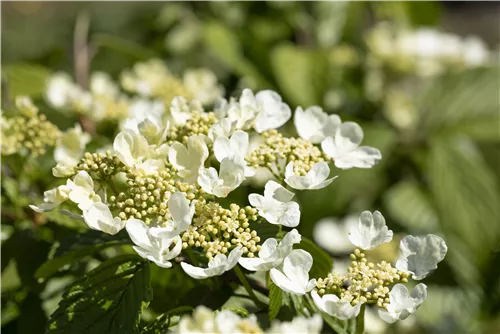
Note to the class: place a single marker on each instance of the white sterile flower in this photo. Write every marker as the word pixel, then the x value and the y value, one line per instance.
pixel 82 190
pixel 70 146
pixel 52 198
pixel 202 83
pixel 315 125
pixel 370 232
pixel 201 321
pixel 298 325
pixel 401 304
pixel 133 150
pixel 345 151
pixel 181 110
pixel 269 109
pixel 230 176
pixel 276 205
pixel 142 110
pixel 333 235
pixel 102 84
pixel 156 249
pixel 223 127
pixel 336 307
pixel 293 275
pixel 272 253
pixel 420 255
pixel 189 159
pixel 216 266
pixel 98 217
pixel 234 148
pixel 60 91
pixel 316 178
pixel 182 215
pixel 228 322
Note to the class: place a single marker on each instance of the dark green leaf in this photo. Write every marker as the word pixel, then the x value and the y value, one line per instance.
pixel 275 299
pixel 109 299
pixel 322 264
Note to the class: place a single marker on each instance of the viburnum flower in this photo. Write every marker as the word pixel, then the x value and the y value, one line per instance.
pixel 344 148
pixel 370 232
pixel 275 206
pixel 156 249
pixel 230 176
pixel 190 158
pixel 420 255
pixel 224 127
pixel 401 304
pixel 333 235
pixel 70 146
pixel 293 275
pixel 316 178
pixel 182 215
pixel 272 253
pixel 52 198
pixel 315 125
pixel 298 325
pixel 181 109
pixel 235 147
pixel 146 118
pixel 334 306
pixel 202 83
pixel 133 150
pixel 98 217
pixel 82 190
pixel 217 266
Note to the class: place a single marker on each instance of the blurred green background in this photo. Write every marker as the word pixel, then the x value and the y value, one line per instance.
pixel 439 134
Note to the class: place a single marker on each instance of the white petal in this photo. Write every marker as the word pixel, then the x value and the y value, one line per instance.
pixel 284 283
pixel 194 272
pixel 233 258
pixel 98 217
pixel 239 143
pixel 139 233
pixel 333 235
pixel 83 179
pixel 348 136
pixel 180 210
pixel 309 123
pixel 255 264
pixel 274 113
pixel 222 148
pixel 207 178
pixel 316 178
pixel 276 191
pixel 420 255
pixel 370 232
pixel 291 216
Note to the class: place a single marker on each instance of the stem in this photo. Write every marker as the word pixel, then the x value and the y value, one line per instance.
pixel 360 321
pixel 247 286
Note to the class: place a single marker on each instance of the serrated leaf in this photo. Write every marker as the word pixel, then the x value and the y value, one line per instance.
pixel 77 247
pixel 411 207
pixel 300 74
pixel 25 79
pixel 163 322
pixel 322 262
pixel 109 299
pixel 275 299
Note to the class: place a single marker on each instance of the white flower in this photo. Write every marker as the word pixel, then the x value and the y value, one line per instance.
pixel 188 160
pixel 63 170
pixel 316 178
pixel 333 235
pixel 181 110
pixel 275 206
pixel 60 91
pixel 370 232
pixel 224 127
pixel 271 112
pixel 231 174
pixel 234 148
pixel 298 325
pixel 201 321
pixel 98 217
pixel 293 275
pixel 217 266
pixel 82 190
pixel 146 118
pixel 336 307
pixel 156 249
pixel 420 255
pixel 70 146
pixel 133 150
pixel 202 83
pixel 344 148
pixel 102 84
pixel 272 253
pixel 315 125
pixel 401 304
pixel 182 215
pixel 52 198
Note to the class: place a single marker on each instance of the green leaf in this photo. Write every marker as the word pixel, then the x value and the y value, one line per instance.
pixel 300 73
pixel 124 46
pixel 25 79
pixel 225 45
pixel 77 247
pixel 322 264
pixel 163 322
pixel 275 299
pixel 411 207
pixel 109 299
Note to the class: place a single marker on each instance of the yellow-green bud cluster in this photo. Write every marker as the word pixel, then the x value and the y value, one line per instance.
pixel 198 124
pixel 365 282
pixel 276 147
pixel 218 230
pixel 146 198
pixel 100 166
pixel 110 108
pixel 30 131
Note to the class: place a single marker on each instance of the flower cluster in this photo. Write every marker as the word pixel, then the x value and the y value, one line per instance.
pixel 173 163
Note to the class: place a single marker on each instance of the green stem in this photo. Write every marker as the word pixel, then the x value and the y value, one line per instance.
pixel 360 321
pixel 247 286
